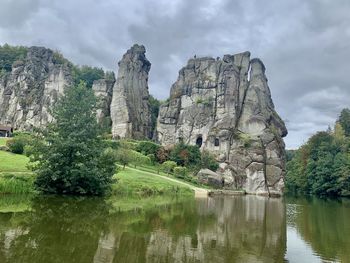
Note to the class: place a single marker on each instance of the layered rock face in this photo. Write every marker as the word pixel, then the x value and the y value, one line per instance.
pixel 30 89
pixel 103 90
pixel 130 109
pixel 225 106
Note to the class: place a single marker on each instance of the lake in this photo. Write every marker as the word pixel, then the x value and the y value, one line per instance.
pixel 220 229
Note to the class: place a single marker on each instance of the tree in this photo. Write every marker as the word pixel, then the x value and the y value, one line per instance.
pixel 185 155
pixel 87 74
pixel 168 166
pixel 69 156
pixel 208 161
pixel 344 120
pixel 123 156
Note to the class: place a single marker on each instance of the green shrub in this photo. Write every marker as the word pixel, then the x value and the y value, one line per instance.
pixel 123 156
pixel 208 161
pixel 18 143
pixel 185 155
pixel 168 166
pixel 147 147
pixel 138 159
pixel 180 172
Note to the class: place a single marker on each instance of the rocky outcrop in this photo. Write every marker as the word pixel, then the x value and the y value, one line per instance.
pixel 28 91
pixel 103 90
pixel 225 106
pixel 130 109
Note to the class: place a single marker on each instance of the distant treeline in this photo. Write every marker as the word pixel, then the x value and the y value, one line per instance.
pixel 322 165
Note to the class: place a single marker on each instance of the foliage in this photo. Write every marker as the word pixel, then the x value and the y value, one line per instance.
pixel 16 184
pixel 139 159
pixel 18 143
pixel 163 154
pixel 185 155
pixel 10 54
pixel 344 120
pixel 87 74
pixel 322 165
pixel 154 106
pixel 168 166
pixel 69 156
pixel 180 172
pixel 123 156
pixel 208 161
pixel 147 147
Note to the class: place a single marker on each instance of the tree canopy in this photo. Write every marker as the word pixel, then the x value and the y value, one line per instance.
pixel 322 165
pixel 69 157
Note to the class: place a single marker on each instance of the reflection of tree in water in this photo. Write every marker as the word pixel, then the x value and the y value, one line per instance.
pixel 57 230
pixel 324 224
pixel 235 229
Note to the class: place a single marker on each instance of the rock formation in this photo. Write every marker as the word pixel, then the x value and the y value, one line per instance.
pixel 225 106
pixel 30 89
pixel 130 109
pixel 103 90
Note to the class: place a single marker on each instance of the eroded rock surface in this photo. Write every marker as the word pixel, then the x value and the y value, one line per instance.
pixel 130 109
pixel 34 84
pixel 225 106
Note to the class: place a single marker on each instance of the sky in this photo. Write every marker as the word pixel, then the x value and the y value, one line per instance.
pixel 305 45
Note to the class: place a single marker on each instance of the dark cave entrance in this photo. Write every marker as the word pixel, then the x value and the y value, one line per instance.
pixel 199 141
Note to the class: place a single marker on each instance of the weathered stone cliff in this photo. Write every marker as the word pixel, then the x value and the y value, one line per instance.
pixel 103 90
pixel 130 109
pixel 27 92
pixel 225 107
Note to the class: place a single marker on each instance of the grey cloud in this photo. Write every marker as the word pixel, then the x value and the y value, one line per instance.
pixel 304 44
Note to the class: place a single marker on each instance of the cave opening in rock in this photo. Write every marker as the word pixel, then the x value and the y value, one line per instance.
pixel 216 142
pixel 199 141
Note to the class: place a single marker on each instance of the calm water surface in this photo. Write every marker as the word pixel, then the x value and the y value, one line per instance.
pixel 230 229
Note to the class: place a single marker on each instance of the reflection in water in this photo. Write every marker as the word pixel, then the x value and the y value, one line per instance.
pixel 230 229
pixel 56 229
pixel 323 224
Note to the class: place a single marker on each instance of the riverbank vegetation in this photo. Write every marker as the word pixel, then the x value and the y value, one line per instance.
pixel 322 165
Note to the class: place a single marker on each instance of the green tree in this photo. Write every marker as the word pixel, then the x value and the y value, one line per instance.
pixel 70 157
pixel 185 155
pixel 208 161
pixel 123 156
pixel 87 74
pixel 10 54
pixel 168 166
pixel 344 120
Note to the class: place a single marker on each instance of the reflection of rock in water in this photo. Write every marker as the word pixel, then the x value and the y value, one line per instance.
pixel 249 229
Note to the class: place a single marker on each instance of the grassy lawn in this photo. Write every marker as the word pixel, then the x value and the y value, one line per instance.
pixel 10 162
pixel 131 182
pixel 3 141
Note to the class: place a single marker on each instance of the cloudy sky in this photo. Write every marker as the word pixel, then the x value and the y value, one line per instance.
pixel 305 45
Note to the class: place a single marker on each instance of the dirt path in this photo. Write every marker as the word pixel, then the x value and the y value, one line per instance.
pixel 198 192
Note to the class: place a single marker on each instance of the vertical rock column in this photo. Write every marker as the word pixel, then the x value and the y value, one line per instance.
pixel 130 109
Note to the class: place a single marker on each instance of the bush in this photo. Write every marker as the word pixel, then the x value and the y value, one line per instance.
pixel 162 154
pixel 139 159
pixel 147 147
pixel 168 166
pixel 17 143
pixel 185 155
pixel 208 161
pixel 180 172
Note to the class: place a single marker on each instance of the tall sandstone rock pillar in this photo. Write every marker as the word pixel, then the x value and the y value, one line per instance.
pixel 130 109
pixel 225 107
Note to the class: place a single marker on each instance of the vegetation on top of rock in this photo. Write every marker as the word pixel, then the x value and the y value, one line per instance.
pixel 69 156
pixel 10 54
pixel 87 74
pixel 322 165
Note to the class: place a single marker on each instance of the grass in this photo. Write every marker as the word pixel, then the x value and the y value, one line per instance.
pixel 131 182
pixel 10 162
pixel 3 141
pixel 16 178
pixel 17 184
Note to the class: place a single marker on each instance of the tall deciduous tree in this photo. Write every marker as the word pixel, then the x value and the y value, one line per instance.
pixel 70 158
